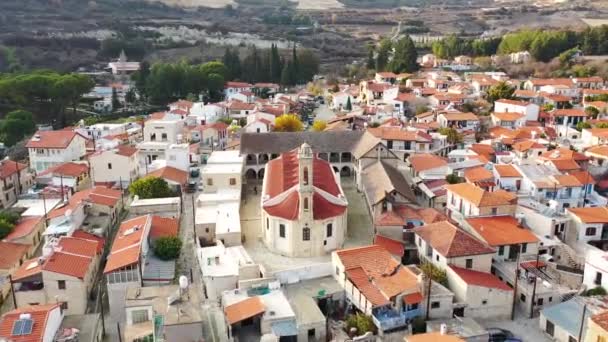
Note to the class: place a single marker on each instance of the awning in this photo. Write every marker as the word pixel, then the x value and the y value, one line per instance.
pixel 243 310
pixel 284 328
pixel 412 298
pixel 532 264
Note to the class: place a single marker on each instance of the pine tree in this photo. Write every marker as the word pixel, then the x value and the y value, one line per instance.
pixel 295 66
pixel 286 74
pixel 371 62
pixel 405 56
pixel 115 100
pixel 348 105
pixel 275 64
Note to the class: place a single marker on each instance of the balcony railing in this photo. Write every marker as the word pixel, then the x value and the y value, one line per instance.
pixel 389 319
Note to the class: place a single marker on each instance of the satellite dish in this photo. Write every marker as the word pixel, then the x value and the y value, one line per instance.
pixel 183 282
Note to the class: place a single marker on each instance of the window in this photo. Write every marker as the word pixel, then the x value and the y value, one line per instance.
pixel 437 257
pixel 550 328
pixel 337 271
pixel 267 223
pixel 306 203
pixel 163 136
pixel 209 181
pixel 330 230
pixel 469 263
pixel 109 166
pixel 524 247
pixel 305 176
pixel 522 297
pixel 232 181
pixel 413 306
pixel 501 250
pixel 484 302
pixel 590 231
pixel 64 306
pixel 494 211
pixel 598 278
pixel 139 316
pixel 61 284
pixel 435 305
pixel 550 299
pixel 540 301
pixel 306 234
pixel 282 230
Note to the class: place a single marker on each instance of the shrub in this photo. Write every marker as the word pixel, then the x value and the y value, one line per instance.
pixel 150 187
pixel 9 216
pixel 453 179
pixel 361 322
pixel 168 247
pixel 598 291
pixel 437 274
pixel 5 228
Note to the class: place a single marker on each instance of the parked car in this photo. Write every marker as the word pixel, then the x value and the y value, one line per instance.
pixel 501 335
pixel 192 186
pixel 194 172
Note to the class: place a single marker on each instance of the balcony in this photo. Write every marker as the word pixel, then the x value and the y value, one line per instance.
pixel 388 319
pixel 29 286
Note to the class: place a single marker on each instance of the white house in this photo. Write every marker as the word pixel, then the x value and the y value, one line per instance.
pixel 169 131
pixel 231 88
pixel 114 166
pixel 303 215
pixel 50 148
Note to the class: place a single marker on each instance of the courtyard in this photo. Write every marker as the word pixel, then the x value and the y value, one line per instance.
pixel 359 229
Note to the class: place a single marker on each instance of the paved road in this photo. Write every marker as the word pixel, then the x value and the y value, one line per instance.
pixel 323 113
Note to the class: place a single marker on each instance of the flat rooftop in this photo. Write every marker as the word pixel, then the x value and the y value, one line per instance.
pixel 211 169
pixel 155 201
pixel 183 311
pixel 228 261
pixel 225 157
pixel 87 326
pixel 225 216
pixel 36 207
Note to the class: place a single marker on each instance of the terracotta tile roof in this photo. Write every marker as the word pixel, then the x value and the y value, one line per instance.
pixel 583 176
pixel 70 169
pixel 460 116
pixel 567 181
pixel 426 161
pixel 538 82
pixel 24 227
pixel 127 243
pixel 508 116
pixel 565 165
pixel 125 150
pixel 239 105
pixel 401 213
pixel 78 246
pixel 400 134
pixel 243 310
pixel 568 112
pixel 476 174
pixel 360 280
pixel 433 337
pixel 601 320
pixel 11 253
pixel 501 230
pixel 598 150
pixel 450 241
pixel 481 279
pixel 525 93
pixel 394 247
pixel 563 153
pixel 170 173
pixel 483 150
pixel 557 97
pixel 481 198
pixel 163 226
pixel 182 104
pixel 525 145
pixel 237 85
pixel 387 74
pixel 374 271
pixel 68 264
pixel 507 170
pixel 52 139
pixel 81 234
pixel 413 298
pixel 28 269
pixel 9 167
pixel 591 214
pixel 98 195
pixel 514 102
pixel 104 196
pixel 39 315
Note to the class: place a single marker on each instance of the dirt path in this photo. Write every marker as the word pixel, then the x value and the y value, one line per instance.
pixel 198 3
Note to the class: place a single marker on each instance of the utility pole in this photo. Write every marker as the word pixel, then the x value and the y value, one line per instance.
pixel 580 331
pixel 193 218
pixel 515 283
pixel 10 279
pixel 534 288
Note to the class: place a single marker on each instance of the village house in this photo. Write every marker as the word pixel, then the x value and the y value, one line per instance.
pixel 380 287
pixel 66 275
pixel 50 148
pixel 37 323
pixel 566 321
pixel 236 87
pixel 508 119
pixel 597 327
pixel 468 262
pixel 459 121
pixel 467 200
pixel 303 215
pixel 164 130
pixel 12 256
pixel 117 166
pixel 74 176
pixel 16 179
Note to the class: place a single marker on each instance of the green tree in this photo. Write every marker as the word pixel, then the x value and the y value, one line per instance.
pixel 592 112
pixel 349 105
pixel 5 228
pixel 15 126
pixel 9 216
pixel 436 274
pixel 405 56
pixel 217 68
pixel 361 322
pixel 453 137
pixel 150 187
pixel 421 109
pixel 168 247
pixel 115 101
pixel 383 54
pixel 371 62
pixel 130 96
pixel 453 179
pixel 308 65
pixel 582 125
pixel 500 91
pixel 288 123
pixel 602 125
